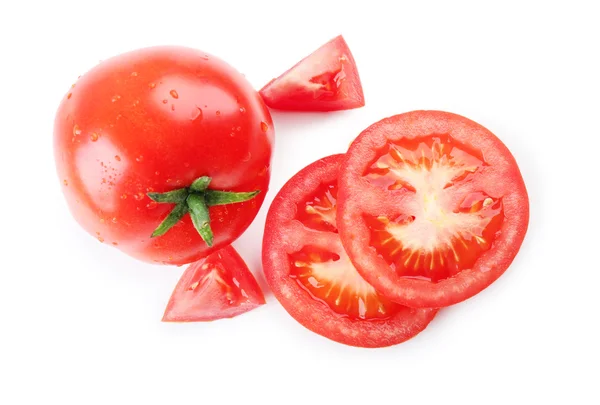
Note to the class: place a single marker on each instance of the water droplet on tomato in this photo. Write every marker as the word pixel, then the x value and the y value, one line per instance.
pixel 94 137
pixel 152 85
pixel 65 182
pixel 134 74
pixel 238 129
pixel 196 114
pixel 149 189
pixel 139 159
pixel 76 130
pixel 136 102
pixel 151 205
pixel 117 158
pixel 232 134
pixel 247 157
pixel 139 196
pixel 123 196
pixel 186 164
pixel 218 112
pixel 264 127
pixel 242 110
pixel 116 98
pixel 168 180
pixel 174 94
pixel 157 173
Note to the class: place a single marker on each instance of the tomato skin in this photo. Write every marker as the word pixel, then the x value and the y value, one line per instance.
pixel 325 80
pixel 283 231
pixel 216 287
pixel 502 179
pixel 155 119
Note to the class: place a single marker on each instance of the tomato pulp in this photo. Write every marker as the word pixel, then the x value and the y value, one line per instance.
pixel 432 207
pixel 312 276
pixel 215 287
pixel 157 120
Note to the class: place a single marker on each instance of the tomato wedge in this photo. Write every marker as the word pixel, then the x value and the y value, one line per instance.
pixel 326 80
pixel 432 207
pixel 218 286
pixel 311 275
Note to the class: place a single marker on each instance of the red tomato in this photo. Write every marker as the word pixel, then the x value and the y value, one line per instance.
pixel 311 275
pixel 155 120
pixel 433 207
pixel 326 80
pixel 218 286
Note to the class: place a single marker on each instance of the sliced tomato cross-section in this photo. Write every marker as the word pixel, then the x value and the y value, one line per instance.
pixel 311 275
pixel 433 207
pixel 326 80
pixel 218 286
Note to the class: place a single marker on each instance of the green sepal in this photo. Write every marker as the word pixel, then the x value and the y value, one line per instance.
pixel 215 197
pixel 200 184
pixel 175 216
pixel 175 196
pixel 200 217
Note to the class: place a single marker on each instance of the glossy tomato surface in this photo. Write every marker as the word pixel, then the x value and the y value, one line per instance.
pixel 325 80
pixel 154 120
pixel 215 287
pixel 432 207
pixel 311 275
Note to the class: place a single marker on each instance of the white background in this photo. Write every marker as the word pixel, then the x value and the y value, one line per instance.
pixel 81 322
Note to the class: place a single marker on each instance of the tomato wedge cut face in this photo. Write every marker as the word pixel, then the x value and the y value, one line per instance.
pixel 311 275
pixel 432 207
pixel 218 286
pixel 326 80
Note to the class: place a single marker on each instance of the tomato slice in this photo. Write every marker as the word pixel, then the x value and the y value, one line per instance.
pixel 311 274
pixel 218 286
pixel 432 208
pixel 326 80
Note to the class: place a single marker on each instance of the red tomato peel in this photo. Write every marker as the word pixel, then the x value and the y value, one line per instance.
pixel 154 121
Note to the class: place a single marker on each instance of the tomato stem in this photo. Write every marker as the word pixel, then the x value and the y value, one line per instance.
pixel 196 200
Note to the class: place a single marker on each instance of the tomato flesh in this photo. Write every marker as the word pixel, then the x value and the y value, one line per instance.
pixel 432 239
pixel 311 275
pixel 218 286
pixel 432 208
pixel 326 80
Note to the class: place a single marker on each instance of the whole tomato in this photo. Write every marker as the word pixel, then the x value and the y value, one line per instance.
pixel 164 153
